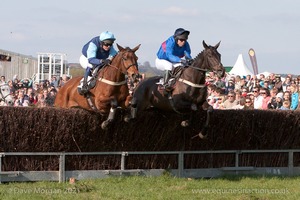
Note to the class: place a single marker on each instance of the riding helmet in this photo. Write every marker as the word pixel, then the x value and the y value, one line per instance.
pixel 107 37
pixel 181 33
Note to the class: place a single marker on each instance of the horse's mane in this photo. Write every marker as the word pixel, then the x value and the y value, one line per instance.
pixel 198 58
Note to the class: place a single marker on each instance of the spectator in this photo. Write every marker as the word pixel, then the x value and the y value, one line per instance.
pixel 29 96
pixel 211 89
pixel 286 96
pixel 248 104
pixel 251 96
pixel 63 80
pixel 50 97
pixel 267 85
pixel 26 82
pixel 2 81
pixel 258 99
pixel 279 98
pixel 264 92
pixel 252 83
pixel 278 83
pixel 219 104
pixel 286 83
pixel 11 86
pixel 241 104
pixel 21 101
pixel 273 93
pixel 217 92
pixel 230 101
pixel 286 105
pixel 220 84
pixel 237 84
pixel 36 86
pixel 238 94
pixel 294 96
pixel 298 81
pixel 41 103
pixel 54 81
pixel 230 86
pixel 244 91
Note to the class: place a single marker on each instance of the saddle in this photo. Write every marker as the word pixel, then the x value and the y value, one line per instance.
pixel 92 80
pixel 175 74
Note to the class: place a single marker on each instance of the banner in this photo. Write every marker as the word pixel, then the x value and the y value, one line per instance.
pixel 252 55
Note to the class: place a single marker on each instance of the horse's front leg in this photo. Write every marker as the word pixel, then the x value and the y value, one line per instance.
pixel 203 132
pixel 187 122
pixel 132 109
pixel 111 114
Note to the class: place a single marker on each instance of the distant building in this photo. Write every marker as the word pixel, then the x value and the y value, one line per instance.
pixel 38 69
pixel 12 63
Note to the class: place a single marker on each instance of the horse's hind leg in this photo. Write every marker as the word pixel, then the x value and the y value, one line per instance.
pixel 132 112
pixel 111 115
pixel 131 102
pixel 133 109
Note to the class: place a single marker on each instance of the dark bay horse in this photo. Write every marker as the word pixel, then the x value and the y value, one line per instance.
pixel 189 93
pixel 111 89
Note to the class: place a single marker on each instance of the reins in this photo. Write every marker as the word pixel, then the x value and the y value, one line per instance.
pixel 124 73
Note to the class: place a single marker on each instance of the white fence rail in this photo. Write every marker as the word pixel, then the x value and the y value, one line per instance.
pixel 62 175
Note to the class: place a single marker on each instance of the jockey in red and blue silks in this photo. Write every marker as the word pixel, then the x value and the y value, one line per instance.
pixel 173 51
pixel 98 52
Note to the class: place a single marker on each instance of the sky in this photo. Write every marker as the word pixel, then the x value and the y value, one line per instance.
pixel 270 27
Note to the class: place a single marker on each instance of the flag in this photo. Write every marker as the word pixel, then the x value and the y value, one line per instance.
pixel 252 56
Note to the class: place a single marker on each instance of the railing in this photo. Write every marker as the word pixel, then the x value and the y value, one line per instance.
pixel 6 176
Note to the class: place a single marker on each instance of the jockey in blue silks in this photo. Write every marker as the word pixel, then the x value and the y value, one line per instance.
pixel 97 53
pixel 172 52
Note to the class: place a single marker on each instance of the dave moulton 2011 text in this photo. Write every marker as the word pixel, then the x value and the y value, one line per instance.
pixel 43 190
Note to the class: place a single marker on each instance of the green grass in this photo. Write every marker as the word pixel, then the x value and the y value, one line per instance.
pixel 164 187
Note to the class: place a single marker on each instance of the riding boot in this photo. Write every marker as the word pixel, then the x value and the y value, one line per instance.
pixel 168 88
pixel 84 86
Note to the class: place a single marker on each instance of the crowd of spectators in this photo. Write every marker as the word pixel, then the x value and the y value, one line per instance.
pixel 254 92
pixel 231 92
pixel 27 92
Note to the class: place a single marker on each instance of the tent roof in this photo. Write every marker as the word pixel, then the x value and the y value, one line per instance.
pixel 240 68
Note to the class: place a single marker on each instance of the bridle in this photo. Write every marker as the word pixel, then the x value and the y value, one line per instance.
pixel 205 62
pixel 123 59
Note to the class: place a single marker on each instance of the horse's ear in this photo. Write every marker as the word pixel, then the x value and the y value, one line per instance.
pixel 217 45
pixel 119 47
pixel 204 44
pixel 136 48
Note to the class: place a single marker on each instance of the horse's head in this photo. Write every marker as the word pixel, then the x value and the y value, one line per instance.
pixel 5 95
pixel 129 64
pixel 213 59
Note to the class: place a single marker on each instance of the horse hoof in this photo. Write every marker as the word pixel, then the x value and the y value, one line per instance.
pixel 202 136
pixel 127 119
pixel 185 123
pixel 104 125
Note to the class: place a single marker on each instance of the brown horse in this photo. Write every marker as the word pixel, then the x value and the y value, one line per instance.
pixel 189 93
pixel 110 91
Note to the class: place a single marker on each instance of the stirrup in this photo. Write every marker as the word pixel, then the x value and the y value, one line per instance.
pixel 83 89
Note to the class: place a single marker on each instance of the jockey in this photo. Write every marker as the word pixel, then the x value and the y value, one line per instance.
pixel 172 52
pixel 98 52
